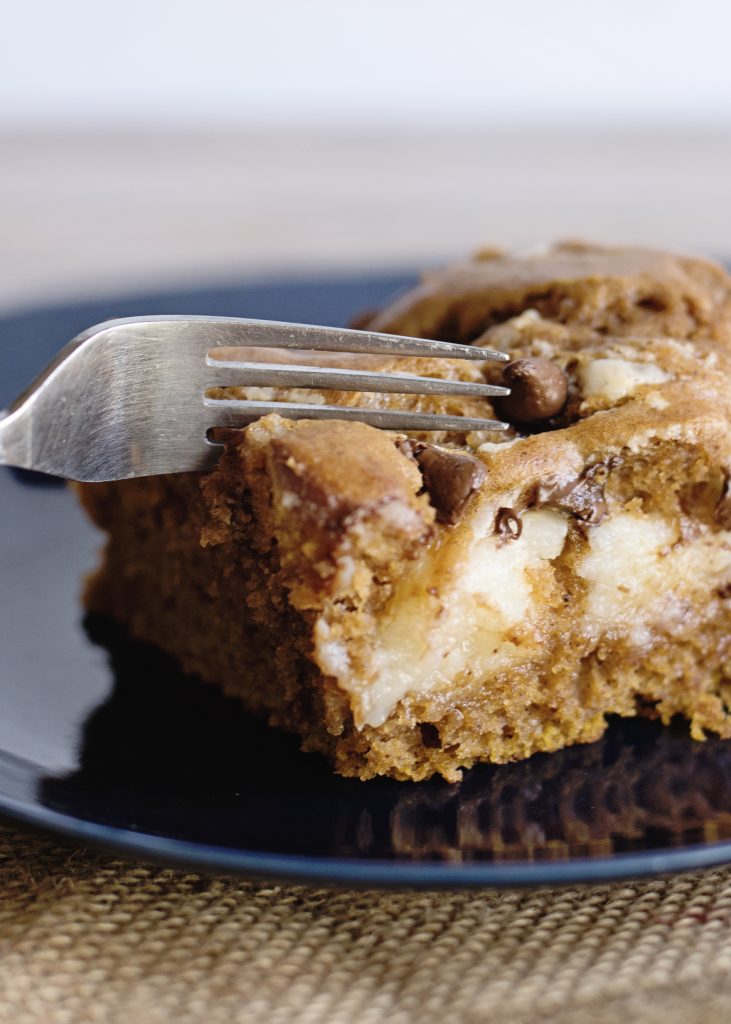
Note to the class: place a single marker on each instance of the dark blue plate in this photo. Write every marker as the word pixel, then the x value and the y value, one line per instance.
pixel 106 741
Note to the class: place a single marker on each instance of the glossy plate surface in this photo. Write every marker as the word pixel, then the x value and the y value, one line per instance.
pixel 106 741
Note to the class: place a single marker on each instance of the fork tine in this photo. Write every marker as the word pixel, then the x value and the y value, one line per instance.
pixel 229 412
pixel 268 334
pixel 125 398
pixel 336 379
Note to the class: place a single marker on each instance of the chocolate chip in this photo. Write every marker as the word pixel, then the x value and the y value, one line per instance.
pixel 508 524
pixel 583 498
pixel 538 390
pixel 585 501
pixel 450 477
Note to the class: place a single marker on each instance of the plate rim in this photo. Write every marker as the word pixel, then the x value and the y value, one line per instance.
pixel 362 872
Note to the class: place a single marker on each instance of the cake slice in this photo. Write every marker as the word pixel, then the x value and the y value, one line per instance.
pixel 416 605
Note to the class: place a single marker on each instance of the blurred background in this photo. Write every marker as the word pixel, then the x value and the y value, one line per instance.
pixel 168 141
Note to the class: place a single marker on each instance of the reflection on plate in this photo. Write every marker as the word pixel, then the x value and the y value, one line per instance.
pixel 105 740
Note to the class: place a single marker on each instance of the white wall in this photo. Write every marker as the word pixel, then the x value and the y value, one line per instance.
pixel 232 63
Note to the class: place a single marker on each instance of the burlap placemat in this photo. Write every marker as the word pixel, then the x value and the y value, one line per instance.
pixel 87 937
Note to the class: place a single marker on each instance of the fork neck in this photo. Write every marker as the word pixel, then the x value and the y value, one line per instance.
pixel 15 438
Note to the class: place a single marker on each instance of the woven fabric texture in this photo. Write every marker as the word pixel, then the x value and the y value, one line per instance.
pixel 86 937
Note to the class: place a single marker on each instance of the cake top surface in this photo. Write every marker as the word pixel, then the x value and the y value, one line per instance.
pixel 623 290
pixel 639 340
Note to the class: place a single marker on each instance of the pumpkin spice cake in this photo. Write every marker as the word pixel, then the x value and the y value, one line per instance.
pixel 412 605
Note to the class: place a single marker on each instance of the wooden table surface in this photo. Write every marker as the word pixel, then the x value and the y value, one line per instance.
pixel 85 214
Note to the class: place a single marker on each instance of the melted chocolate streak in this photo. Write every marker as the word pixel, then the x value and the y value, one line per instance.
pixel 582 498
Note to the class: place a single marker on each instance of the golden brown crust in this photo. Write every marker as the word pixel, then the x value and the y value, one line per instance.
pixel 309 457
pixel 614 290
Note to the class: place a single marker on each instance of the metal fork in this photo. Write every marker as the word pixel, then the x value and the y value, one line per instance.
pixel 131 397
